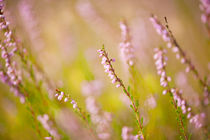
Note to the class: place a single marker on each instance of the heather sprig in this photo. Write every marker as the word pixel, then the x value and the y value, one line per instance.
pixel 127 54
pixel 126 47
pixel 160 62
pixel 107 62
pixel 9 74
pixel 62 97
pixel 30 65
pixel 180 104
pixel 169 38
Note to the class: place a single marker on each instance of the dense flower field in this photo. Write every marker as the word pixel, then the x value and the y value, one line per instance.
pixel 104 70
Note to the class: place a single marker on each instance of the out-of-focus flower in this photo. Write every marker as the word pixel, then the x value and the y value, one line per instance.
pixel 151 102
pixel 190 94
pixel 30 23
pixel 87 11
pixel 126 47
pixel 8 47
pixel 91 88
pixel 205 8
pixel 101 120
pixel 126 134
pixel 48 125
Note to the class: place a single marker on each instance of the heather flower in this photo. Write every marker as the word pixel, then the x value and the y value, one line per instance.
pixel 108 68
pixel 101 120
pixel 48 138
pixel 126 47
pixel 91 16
pixel 8 47
pixel 30 23
pixel 195 119
pixel 160 62
pixel 115 80
pixel 48 125
pixel 176 94
pixel 168 37
pixel 151 102
pixel 65 98
pixel 126 134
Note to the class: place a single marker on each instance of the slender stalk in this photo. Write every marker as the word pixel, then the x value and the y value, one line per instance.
pixel 120 83
pixel 176 107
pixel 161 68
pixel 187 60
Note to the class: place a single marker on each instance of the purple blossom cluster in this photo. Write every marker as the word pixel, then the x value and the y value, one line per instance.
pixel 127 135
pixel 160 62
pixel 168 37
pixel 9 75
pixel 127 50
pixel 63 97
pixel 101 120
pixel 171 42
pixel 48 125
pixel 7 44
pixel 31 24
pixel 197 119
pixel 108 67
pixel 161 59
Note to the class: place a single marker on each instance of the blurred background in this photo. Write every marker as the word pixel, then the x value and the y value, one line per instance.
pixel 64 37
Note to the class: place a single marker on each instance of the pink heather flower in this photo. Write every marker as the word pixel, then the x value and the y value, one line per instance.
pixel 89 14
pixel 108 67
pixel 160 59
pixel 160 63
pixel 127 50
pixel 11 75
pixel 61 96
pixel 30 23
pixel 151 102
pixel 126 134
pixel 101 120
pixel 168 37
pixel 48 138
pixel 118 85
pixel 66 99
pixel 198 120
